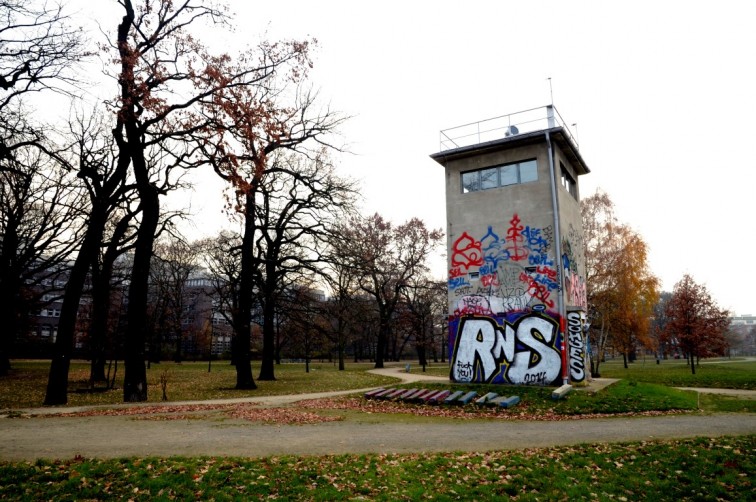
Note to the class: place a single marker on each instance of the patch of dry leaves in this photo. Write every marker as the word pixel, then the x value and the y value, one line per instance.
pixel 288 416
pixel 299 416
pixel 280 416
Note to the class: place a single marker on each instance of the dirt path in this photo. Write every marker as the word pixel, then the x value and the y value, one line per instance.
pixel 109 437
pixel 216 434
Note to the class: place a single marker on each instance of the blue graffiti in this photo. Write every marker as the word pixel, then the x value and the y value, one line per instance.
pixel 540 259
pixel 458 282
pixel 493 249
pixel 535 241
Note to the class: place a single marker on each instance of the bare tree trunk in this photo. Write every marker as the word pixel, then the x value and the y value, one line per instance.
pixel 11 285
pixel 421 356
pixel 98 332
pixel 243 328
pixel 380 346
pixel 267 366
pixel 57 382
pixel 135 373
pixel 342 351
pixel 601 342
pixel 9 314
pixel 102 290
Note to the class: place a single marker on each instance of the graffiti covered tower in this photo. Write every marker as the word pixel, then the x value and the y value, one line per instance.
pixel 515 250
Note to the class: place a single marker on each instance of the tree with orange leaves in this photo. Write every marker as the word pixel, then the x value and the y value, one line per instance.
pixel 695 323
pixel 621 289
pixel 633 294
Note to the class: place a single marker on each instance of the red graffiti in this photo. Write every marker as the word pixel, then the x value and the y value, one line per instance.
pixel 455 272
pixel 514 236
pixel 576 292
pixel 536 290
pixel 547 271
pixel 466 252
pixel 490 280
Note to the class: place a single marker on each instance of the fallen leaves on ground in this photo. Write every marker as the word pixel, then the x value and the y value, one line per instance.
pixel 286 416
pixel 143 410
pixel 282 416
pixel 296 416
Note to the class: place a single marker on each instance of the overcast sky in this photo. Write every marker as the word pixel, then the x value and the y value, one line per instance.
pixel 662 94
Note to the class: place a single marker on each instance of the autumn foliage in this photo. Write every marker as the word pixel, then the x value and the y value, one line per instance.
pixel 695 323
pixel 622 291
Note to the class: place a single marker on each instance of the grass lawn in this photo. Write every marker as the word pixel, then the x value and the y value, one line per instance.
pixel 694 469
pixel 721 373
pixel 625 396
pixel 718 373
pixel 26 384
pixel 433 369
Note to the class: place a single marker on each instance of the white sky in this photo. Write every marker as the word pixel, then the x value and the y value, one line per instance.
pixel 662 93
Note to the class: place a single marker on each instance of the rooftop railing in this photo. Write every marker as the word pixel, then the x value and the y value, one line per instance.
pixel 534 119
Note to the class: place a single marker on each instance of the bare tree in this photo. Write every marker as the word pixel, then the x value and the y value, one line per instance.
pixel 103 176
pixel 254 122
pixel 157 115
pixel 386 258
pixel 38 52
pixel 305 321
pixel 295 205
pixel 424 300
pixel 40 219
pixel 342 307
pixel 195 108
pixel 221 257
pixel 176 261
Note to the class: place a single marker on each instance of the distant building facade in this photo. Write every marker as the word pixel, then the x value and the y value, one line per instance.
pixel 742 335
pixel 743 320
pixel 203 326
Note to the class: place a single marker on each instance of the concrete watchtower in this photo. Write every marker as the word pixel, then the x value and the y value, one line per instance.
pixel 515 250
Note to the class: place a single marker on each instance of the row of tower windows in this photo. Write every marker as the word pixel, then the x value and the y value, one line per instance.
pixel 500 176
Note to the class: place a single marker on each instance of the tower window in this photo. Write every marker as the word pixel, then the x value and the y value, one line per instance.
pixel 568 182
pixel 500 176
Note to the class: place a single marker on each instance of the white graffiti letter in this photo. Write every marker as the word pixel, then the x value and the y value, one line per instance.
pixel 577 347
pixel 479 342
pixel 540 363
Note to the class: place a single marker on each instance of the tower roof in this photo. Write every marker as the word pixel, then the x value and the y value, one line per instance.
pixel 509 131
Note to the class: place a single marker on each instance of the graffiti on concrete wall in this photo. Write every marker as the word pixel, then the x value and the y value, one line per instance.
pixel 466 253
pixel 503 271
pixel 514 269
pixel 490 349
pixel 574 283
pixel 503 294
pixel 576 344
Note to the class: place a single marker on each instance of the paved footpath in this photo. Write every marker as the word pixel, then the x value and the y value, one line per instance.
pixel 118 436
